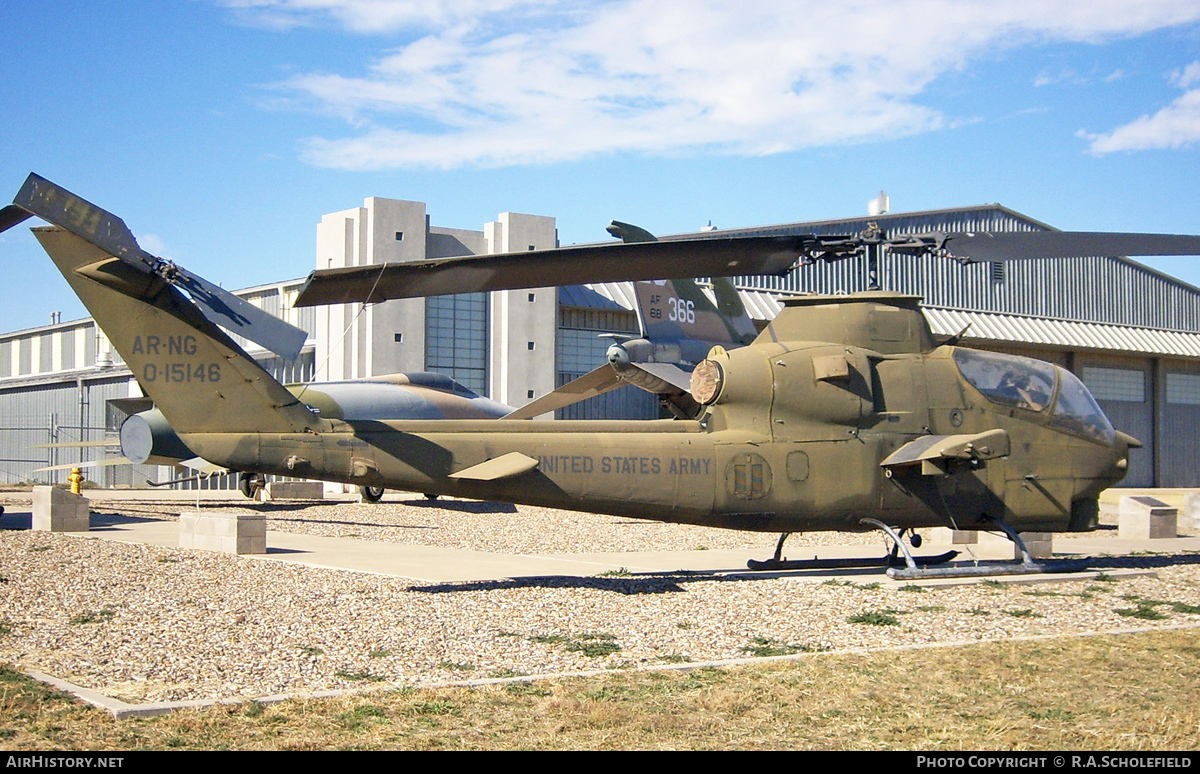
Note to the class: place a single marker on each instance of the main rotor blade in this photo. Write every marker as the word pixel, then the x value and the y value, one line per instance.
pixel 93 464
pixel 615 262
pixel 11 215
pixel 591 384
pixel 1021 245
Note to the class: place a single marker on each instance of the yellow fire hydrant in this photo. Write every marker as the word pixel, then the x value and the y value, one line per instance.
pixel 76 478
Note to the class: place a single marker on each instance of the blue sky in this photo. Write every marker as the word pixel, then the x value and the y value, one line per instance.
pixel 221 130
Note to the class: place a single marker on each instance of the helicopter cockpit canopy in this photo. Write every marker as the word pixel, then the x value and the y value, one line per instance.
pixel 1036 386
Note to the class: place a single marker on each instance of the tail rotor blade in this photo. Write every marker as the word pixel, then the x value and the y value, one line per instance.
pixel 240 316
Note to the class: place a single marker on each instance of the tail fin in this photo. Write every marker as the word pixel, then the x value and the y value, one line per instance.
pixel 679 309
pixel 197 375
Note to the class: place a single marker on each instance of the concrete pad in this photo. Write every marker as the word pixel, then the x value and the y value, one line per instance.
pixel 1190 512
pixel 429 564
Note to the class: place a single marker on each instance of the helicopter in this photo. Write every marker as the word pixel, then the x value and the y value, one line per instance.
pixel 844 414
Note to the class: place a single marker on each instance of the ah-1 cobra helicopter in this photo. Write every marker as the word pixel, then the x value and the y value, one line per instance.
pixel 844 414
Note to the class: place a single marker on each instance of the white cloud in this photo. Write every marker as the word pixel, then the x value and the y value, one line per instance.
pixel 497 82
pixel 153 244
pixel 1175 126
pixel 1187 76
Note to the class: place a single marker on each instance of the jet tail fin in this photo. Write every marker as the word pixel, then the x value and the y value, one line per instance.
pixel 679 309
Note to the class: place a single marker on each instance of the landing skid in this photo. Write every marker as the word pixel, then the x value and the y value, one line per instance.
pixel 777 562
pixel 920 568
pixel 1027 565
pixel 845 563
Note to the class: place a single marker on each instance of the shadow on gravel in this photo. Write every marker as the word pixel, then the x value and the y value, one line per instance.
pixel 462 506
pixel 658 583
pixel 349 523
pixel 1143 561
pixel 666 583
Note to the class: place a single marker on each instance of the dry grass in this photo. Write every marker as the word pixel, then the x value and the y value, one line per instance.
pixel 1127 692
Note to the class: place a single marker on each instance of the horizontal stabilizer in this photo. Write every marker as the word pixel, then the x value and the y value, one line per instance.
pixel 204 467
pixel 511 464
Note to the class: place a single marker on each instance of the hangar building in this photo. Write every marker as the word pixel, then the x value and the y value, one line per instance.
pixel 1131 333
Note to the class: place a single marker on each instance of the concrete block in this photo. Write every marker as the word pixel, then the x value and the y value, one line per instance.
pixel 57 510
pixel 1110 514
pixel 1039 544
pixel 230 533
pixel 1191 509
pixel 296 490
pixel 1146 518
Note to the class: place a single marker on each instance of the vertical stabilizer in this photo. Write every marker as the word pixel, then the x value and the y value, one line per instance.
pixel 197 375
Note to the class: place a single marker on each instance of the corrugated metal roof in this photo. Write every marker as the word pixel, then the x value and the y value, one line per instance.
pixel 606 295
pixel 618 293
pixel 1070 334
pixel 988 326
pixel 1109 290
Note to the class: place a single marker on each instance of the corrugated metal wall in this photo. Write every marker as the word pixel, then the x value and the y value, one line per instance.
pixel 1113 290
pixel 62 413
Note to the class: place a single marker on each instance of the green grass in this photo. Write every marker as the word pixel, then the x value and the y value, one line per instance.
pixel 1104 693
pixel 761 647
pixel 456 666
pixel 590 644
pixel 92 617
pixel 876 618
pixel 357 676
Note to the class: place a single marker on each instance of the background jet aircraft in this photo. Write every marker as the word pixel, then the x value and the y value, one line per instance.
pixel 678 325
pixel 147 438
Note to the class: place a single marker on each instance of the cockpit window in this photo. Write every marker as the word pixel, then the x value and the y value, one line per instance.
pixel 1007 379
pixel 1077 412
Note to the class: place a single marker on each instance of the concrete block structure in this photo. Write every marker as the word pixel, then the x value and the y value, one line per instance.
pixel 57 510
pixel 230 533
pixel 295 490
pixel 1147 518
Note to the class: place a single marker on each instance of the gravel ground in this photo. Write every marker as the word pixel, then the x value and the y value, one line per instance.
pixel 153 624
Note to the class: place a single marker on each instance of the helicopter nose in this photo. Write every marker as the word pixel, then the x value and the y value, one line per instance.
pixel 1124 442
